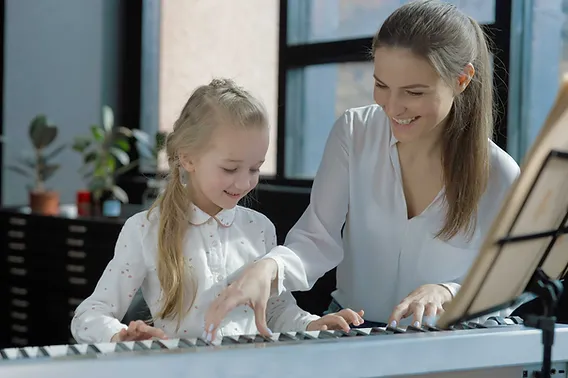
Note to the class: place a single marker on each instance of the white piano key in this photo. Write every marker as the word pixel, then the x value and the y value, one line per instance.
pixel 106 348
pixel 147 343
pixel 366 331
pixel 32 351
pixel 314 334
pixel 56 350
pixel 82 348
pixel 128 344
pixel 275 336
pixel 12 353
pixel 171 343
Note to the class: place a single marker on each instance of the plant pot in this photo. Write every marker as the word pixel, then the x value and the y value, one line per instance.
pixel 45 203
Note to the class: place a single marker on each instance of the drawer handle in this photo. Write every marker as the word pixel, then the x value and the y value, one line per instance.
pixel 76 254
pixel 19 341
pixel 75 242
pixel 16 234
pixel 17 221
pixel 78 229
pixel 18 272
pixel 15 259
pixel 74 301
pixel 77 281
pixel 75 268
pixel 18 290
pixel 17 246
pixel 18 315
pixel 20 303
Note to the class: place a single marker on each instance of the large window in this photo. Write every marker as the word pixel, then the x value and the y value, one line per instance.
pixel 539 58
pixel 325 69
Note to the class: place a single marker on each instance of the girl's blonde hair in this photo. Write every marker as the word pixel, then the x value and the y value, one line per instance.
pixel 446 37
pixel 219 102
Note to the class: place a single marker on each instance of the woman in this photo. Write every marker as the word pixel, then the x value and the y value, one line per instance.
pixel 415 179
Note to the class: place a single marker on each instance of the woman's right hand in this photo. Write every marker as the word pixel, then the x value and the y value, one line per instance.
pixel 137 331
pixel 251 289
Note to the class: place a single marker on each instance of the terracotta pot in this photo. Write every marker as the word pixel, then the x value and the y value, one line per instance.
pixel 45 203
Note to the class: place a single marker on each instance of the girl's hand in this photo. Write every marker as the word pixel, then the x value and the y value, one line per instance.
pixel 426 301
pixel 338 320
pixel 137 331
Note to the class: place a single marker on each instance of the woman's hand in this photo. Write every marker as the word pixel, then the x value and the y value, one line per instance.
pixel 137 331
pixel 425 302
pixel 337 320
pixel 251 289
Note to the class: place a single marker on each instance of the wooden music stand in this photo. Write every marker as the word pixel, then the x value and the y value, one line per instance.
pixel 527 247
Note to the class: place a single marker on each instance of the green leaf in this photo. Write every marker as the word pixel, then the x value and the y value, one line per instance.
pixel 28 161
pixel 48 171
pixel 122 144
pixel 120 194
pixel 98 133
pixel 124 131
pixel 90 157
pixel 120 155
pixel 161 140
pixel 55 152
pixel 108 118
pixel 19 170
pixel 41 133
pixel 81 143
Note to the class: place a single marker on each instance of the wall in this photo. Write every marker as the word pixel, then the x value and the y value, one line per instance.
pixel 203 39
pixel 60 59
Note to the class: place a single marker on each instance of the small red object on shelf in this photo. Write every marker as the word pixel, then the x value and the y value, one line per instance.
pixel 83 203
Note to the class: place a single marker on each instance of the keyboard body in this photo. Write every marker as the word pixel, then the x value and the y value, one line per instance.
pixel 504 351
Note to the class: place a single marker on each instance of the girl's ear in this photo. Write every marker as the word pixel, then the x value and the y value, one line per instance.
pixel 465 78
pixel 186 162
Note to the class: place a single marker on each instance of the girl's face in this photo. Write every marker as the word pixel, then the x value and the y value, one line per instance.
pixel 229 168
pixel 412 93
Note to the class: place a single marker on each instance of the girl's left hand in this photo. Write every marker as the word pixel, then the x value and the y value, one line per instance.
pixel 337 320
pixel 426 301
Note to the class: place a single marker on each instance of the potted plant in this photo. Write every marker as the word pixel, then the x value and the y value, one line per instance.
pixel 151 150
pixel 40 167
pixel 105 153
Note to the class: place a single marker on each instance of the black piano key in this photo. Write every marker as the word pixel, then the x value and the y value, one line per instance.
pixel 412 329
pixel 202 342
pixel 378 331
pixel 327 335
pixel 24 353
pixel 184 343
pixel 431 328
pixel 3 354
pixel 228 341
pixel 72 351
pixel 157 344
pixel 475 325
pixel 43 352
pixel 516 319
pixel 139 346
pixel 286 337
pixel 395 329
pixel 92 348
pixel 262 339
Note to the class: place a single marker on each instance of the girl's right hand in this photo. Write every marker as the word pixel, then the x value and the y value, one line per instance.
pixel 252 288
pixel 137 331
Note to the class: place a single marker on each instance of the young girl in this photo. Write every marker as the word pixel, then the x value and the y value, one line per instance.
pixel 408 187
pixel 194 240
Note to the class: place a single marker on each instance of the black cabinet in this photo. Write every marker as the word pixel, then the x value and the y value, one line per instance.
pixel 48 266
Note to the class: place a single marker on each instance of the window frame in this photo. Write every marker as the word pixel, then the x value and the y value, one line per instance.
pixel 294 56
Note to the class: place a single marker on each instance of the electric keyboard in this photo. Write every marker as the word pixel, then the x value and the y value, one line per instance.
pixel 497 348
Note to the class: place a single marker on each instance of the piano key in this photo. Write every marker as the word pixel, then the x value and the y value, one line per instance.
pixel 516 319
pixel 395 329
pixel 379 331
pixel 312 334
pixel 141 345
pixel 187 343
pixel 32 351
pixel 57 350
pixel 106 348
pixel 11 353
pixel 413 329
pixel 170 343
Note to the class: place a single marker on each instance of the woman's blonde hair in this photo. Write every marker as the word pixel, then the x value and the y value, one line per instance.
pixel 219 102
pixel 449 40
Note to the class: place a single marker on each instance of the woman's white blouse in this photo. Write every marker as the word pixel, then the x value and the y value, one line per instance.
pixel 216 248
pixel 382 255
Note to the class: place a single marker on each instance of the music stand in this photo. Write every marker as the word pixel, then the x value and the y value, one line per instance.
pixel 526 249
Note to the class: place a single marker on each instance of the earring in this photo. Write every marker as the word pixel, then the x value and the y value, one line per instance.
pixel 183 177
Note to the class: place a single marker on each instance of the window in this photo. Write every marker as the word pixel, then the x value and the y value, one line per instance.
pixel 185 43
pixel 325 69
pixel 539 57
